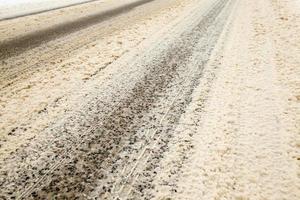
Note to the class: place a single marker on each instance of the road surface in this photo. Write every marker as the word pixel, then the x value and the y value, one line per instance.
pixel 150 99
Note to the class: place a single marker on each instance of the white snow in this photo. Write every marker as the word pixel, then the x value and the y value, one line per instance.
pixel 15 8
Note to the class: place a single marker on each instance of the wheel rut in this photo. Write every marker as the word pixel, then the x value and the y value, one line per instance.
pixel 112 150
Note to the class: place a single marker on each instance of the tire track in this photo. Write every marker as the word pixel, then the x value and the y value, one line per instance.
pixel 136 184
pixel 104 136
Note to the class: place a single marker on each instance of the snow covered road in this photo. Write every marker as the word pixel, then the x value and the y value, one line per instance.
pixel 151 99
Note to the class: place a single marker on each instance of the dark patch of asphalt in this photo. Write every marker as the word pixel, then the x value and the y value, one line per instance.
pixel 21 44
